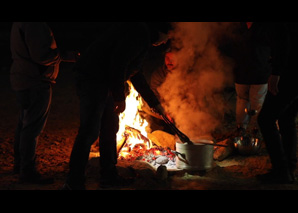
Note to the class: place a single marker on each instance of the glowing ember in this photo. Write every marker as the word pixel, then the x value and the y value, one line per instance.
pixel 132 141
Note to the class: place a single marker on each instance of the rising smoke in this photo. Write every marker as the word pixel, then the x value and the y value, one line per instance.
pixel 193 92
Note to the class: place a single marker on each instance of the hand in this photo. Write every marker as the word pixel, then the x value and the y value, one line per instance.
pixel 273 84
pixel 119 107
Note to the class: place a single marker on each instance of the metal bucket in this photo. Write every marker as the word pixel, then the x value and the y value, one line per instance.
pixel 196 157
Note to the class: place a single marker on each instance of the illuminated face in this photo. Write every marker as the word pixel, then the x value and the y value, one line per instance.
pixel 170 61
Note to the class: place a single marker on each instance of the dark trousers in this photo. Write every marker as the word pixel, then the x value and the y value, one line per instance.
pixel 34 110
pixel 97 119
pixel 277 121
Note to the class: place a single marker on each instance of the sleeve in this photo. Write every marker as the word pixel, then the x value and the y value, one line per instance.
pixel 157 78
pixel 41 44
pixel 140 84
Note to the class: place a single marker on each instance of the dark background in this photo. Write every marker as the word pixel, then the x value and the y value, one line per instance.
pixel 56 141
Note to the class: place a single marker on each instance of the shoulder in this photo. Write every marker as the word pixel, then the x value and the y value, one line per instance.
pixel 34 27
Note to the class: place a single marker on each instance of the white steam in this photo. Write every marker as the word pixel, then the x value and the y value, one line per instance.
pixel 193 92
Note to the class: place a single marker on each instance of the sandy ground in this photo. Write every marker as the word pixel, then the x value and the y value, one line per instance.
pixel 234 173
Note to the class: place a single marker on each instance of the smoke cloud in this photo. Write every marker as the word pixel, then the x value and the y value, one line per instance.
pixel 192 93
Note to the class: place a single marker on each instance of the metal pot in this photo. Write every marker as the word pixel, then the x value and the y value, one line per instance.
pixel 194 157
pixel 247 145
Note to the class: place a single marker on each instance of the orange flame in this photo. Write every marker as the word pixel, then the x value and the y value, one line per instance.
pixel 131 119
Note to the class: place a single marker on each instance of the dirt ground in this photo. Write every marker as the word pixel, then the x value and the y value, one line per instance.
pixel 55 143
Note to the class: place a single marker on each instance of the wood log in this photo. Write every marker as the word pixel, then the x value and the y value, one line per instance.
pixel 163 139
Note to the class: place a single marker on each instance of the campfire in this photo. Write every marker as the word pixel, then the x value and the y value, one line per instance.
pixel 132 138
pixel 136 142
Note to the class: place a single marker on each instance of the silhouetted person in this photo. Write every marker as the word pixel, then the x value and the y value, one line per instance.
pixel 253 51
pixel 35 68
pixel 113 58
pixel 277 119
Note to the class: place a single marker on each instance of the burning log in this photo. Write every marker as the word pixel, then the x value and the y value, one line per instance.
pixel 144 149
pixel 130 131
pixel 132 141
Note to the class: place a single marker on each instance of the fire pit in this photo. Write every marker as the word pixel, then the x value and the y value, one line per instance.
pixel 134 144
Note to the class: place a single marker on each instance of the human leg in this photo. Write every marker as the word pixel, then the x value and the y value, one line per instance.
pixel 269 114
pixel 257 96
pixel 108 140
pixel 92 105
pixel 109 176
pixel 35 105
pixel 288 131
pixel 242 103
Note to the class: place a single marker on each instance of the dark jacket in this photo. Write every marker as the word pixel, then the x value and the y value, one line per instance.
pixel 255 52
pixel 117 56
pixel 157 79
pixel 35 55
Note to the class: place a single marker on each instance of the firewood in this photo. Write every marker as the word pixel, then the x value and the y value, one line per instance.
pixel 163 139
pixel 221 153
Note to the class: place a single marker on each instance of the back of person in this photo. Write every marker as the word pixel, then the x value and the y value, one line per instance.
pixel 252 54
pixel 34 53
pixel 113 49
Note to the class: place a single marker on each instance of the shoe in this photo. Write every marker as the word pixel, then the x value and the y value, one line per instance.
pixel 276 177
pixel 66 187
pixel 115 181
pixel 35 178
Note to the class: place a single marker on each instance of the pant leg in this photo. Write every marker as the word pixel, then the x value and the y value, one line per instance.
pixel 257 96
pixel 17 154
pixel 267 121
pixel 35 106
pixel 108 139
pixel 242 102
pixel 92 104
pixel 288 132
pixel 287 119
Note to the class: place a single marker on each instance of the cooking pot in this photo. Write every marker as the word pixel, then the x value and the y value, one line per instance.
pixel 196 156
pixel 247 145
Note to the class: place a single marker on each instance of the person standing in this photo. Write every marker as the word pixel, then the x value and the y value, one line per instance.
pixel 34 70
pixel 252 52
pixel 113 58
pixel 277 119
